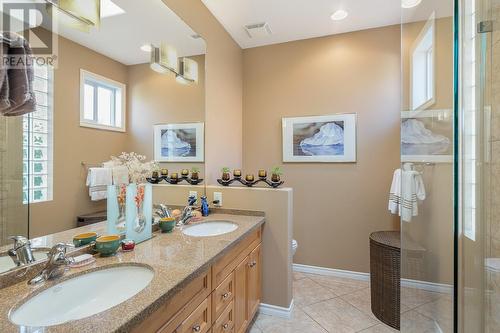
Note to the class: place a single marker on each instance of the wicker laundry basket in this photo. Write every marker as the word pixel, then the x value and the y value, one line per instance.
pixel 385 276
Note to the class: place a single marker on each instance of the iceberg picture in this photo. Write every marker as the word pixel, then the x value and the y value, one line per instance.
pixel 319 139
pixel 330 139
pixel 416 139
pixel 182 142
pixel 176 142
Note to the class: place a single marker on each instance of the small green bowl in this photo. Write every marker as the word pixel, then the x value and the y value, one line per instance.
pixel 167 224
pixel 107 245
pixel 84 239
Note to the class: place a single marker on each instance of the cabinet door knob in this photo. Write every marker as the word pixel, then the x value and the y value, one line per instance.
pixel 196 328
pixel 225 326
pixel 252 264
pixel 226 295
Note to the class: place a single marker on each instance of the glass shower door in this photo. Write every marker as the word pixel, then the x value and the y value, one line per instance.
pixel 427 166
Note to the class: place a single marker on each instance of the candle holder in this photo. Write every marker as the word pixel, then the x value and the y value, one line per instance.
pixel 175 179
pixel 250 180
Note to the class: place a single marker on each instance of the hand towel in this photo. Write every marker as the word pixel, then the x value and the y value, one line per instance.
pixel 97 180
pixel 120 175
pixel 406 189
pixel 17 96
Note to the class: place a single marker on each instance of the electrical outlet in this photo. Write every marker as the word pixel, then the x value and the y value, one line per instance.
pixel 218 197
pixel 194 194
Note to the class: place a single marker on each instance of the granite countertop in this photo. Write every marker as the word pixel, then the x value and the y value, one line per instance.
pixel 175 258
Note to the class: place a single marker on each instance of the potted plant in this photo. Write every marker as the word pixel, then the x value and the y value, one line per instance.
pixel 195 173
pixel 225 174
pixel 276 173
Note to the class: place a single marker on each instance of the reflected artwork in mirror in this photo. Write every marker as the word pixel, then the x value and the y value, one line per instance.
pixel 102 97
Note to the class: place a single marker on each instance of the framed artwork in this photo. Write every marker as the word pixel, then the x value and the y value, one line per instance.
pixel 184 142
pixel 320 139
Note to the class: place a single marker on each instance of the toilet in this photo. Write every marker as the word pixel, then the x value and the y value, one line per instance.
pixel 294 246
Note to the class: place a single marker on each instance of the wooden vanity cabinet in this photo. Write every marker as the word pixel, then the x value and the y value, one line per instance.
pixel 224 299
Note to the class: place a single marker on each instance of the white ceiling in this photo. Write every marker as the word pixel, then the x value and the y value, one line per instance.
pixel 120 37
pixel 301 19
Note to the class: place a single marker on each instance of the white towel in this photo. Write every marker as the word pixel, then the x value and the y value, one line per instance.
pixel 120 175
pixel 97 180
pixel 406 189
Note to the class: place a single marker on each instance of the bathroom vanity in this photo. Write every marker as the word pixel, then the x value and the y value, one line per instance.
pixel 199 284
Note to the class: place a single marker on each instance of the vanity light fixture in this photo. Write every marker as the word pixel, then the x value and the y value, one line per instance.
pixel 188 71
pixel 79 14
pixel 164 59
pixel 406 4
pixel 339 15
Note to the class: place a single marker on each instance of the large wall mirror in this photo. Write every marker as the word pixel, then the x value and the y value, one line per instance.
pixel 134 83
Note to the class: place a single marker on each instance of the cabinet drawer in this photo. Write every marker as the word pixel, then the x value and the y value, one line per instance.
pixel 225 323
pixel 222 296
pixel 198 321
pixel 176 309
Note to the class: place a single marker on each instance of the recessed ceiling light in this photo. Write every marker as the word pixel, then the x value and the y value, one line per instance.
pixel 109 8
pixel 146 47
pixel 339 15
pixel 410 3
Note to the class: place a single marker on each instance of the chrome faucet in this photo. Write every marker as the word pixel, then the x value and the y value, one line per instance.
pixel 187 214
pixel 56 265
pixel 21 253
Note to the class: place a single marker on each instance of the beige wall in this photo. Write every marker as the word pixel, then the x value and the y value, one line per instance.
pixel 155 98
pixel 74 144
pixel 277 236
pixel 223 119
pixel 337 205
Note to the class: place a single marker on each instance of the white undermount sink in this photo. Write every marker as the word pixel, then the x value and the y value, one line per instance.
pixel 212 228
pixel 82 296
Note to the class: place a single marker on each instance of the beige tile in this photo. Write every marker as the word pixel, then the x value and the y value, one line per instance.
pixel 414 322
pixel 255 329
pixel 298 276
pixel 412 298
pixel 380 328
pixel 361 299
pixel 299 323
pixel 441 311
pixel 336 315
pixel 339 286
pixel 306 292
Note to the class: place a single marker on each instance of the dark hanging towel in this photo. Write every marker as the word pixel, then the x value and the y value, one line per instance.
pixel 16 76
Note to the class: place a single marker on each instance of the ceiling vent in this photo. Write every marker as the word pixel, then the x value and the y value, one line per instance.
pixel 258 30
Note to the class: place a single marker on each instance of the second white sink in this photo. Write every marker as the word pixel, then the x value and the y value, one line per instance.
pixel 83 296
pixel 212 228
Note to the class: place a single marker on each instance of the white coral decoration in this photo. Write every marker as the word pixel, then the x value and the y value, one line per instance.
pixel 138 170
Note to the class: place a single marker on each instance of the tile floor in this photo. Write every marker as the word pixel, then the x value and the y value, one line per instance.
pixel 327 304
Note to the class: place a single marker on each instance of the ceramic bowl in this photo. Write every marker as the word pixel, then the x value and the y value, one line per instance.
pixel 107 245
pixel 167 224
pixel 84 239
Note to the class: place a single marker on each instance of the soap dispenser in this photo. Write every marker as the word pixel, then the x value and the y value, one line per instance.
pixel 205 210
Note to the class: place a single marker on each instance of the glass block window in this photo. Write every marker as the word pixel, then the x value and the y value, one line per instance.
pixel 37 141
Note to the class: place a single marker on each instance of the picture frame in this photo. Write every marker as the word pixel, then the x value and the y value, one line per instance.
pixel 181 142
pixel 324 139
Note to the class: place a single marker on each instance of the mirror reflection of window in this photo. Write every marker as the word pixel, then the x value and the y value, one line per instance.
pixel 37 140
pixel 423 67
pixel 102 102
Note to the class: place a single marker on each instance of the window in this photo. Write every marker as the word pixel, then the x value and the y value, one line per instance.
pixel 102 102
pixel 422 68
pixel 37 140
pixel 471 121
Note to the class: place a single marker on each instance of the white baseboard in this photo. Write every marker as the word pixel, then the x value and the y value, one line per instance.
pixel 331 272
pixel 276 311
pixel 416 284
